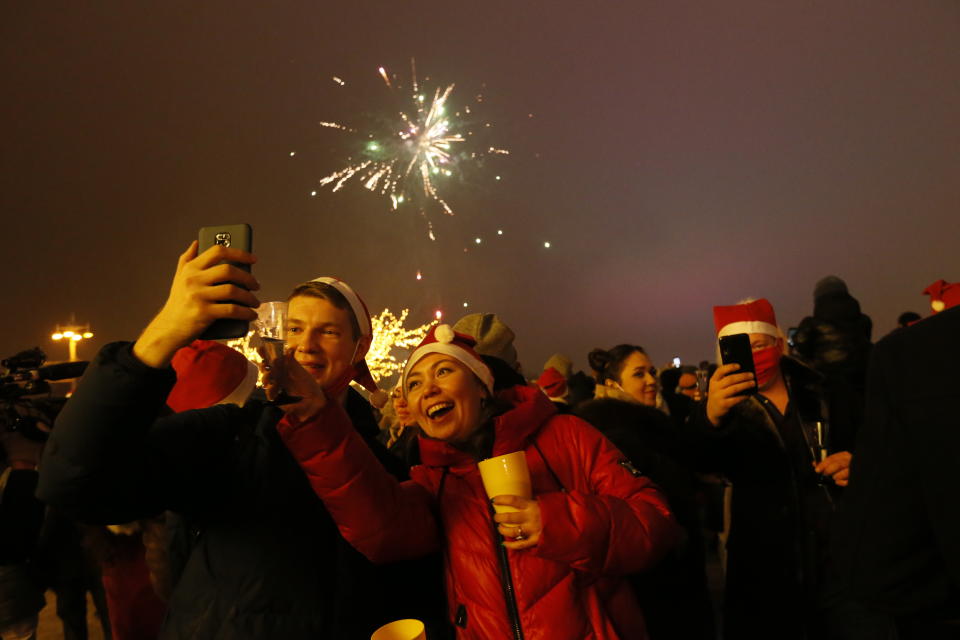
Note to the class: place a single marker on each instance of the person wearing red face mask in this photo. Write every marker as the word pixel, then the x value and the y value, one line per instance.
pixel 785 446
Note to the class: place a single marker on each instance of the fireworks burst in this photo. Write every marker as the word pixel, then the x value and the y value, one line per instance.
pixel 407 157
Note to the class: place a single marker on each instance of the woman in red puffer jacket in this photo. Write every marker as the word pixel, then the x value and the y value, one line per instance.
pixel 549 570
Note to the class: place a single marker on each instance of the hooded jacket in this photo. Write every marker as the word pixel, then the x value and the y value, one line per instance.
pixel 601 520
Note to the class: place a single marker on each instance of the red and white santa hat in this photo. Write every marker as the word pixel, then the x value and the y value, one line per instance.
pixel 943 295
pixel 752 317
pixel 553 383
pixel 443 339
pixel 362 371
pixel 210 373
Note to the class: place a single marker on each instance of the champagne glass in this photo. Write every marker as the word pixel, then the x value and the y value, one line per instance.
pixel 271 327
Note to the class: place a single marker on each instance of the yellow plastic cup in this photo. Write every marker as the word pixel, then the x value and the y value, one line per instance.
pixel 506 476
pixel 401 630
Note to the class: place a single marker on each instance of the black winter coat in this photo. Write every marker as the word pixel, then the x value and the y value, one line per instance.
pixel 835 340
pixel 781 516
pixel 266 559
pixel 674 595
pixel 899 534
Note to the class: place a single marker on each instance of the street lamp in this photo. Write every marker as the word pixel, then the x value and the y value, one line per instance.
pixel 72 333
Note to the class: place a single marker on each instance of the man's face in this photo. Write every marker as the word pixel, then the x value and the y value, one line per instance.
pixel 321 337
pixel 687 385
pixel 760 341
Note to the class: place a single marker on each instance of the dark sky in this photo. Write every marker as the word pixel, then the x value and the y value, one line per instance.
pixel 681 154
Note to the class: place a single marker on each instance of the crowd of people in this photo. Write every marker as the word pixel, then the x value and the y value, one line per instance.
pixel 813 480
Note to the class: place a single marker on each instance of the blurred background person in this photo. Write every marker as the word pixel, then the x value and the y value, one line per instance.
pixel 836 339
pixel 624 372
pixel 907 318
pixel 21 516
pixel 554 386
pixel 680 389
pixel 40 547
pixel 398 429
pixel 579 384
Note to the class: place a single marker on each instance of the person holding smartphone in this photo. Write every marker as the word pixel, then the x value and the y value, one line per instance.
pixel 265 559
pixel 758 429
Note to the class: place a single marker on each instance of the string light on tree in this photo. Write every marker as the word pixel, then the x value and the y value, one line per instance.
pixel 390 334
pixel 245 346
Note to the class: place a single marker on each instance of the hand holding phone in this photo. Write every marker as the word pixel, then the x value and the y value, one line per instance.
pixel 236 236
pixel 734 380
pixel 736 349
pixel 201 283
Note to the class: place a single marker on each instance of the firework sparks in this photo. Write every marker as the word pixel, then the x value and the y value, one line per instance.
pixel 408 157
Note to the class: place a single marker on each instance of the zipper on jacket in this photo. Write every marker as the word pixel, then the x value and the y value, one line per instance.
pixel 506 581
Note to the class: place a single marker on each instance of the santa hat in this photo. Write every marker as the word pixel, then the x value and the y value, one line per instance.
pixel 752 317
pixel 362 372
pixel 210 373
pixel 443 339
pixel 553 383
pixel 943 295
pixel 561 363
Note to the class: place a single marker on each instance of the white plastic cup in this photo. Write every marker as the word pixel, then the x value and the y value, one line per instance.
pixel 401 630
pixel 506 476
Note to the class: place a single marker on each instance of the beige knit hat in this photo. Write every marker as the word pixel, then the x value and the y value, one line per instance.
pixel 493 337
pixel 561 363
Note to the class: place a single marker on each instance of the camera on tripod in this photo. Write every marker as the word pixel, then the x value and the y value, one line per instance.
pixel 25 393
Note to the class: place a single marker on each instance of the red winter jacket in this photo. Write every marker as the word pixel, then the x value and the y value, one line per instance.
pixel 603 522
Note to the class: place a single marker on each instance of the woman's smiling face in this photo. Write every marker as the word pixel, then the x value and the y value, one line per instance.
pixel 444 397
pixel 637 378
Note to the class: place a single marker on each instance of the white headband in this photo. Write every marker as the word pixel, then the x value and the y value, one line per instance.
pixel 359 309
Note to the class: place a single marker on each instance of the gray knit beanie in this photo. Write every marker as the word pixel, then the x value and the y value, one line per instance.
pixel 493 337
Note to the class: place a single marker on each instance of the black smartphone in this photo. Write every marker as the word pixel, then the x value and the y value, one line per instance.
pixel 237 236
pixel 736 348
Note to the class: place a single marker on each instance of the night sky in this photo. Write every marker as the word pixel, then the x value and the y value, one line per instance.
pixel 680 155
